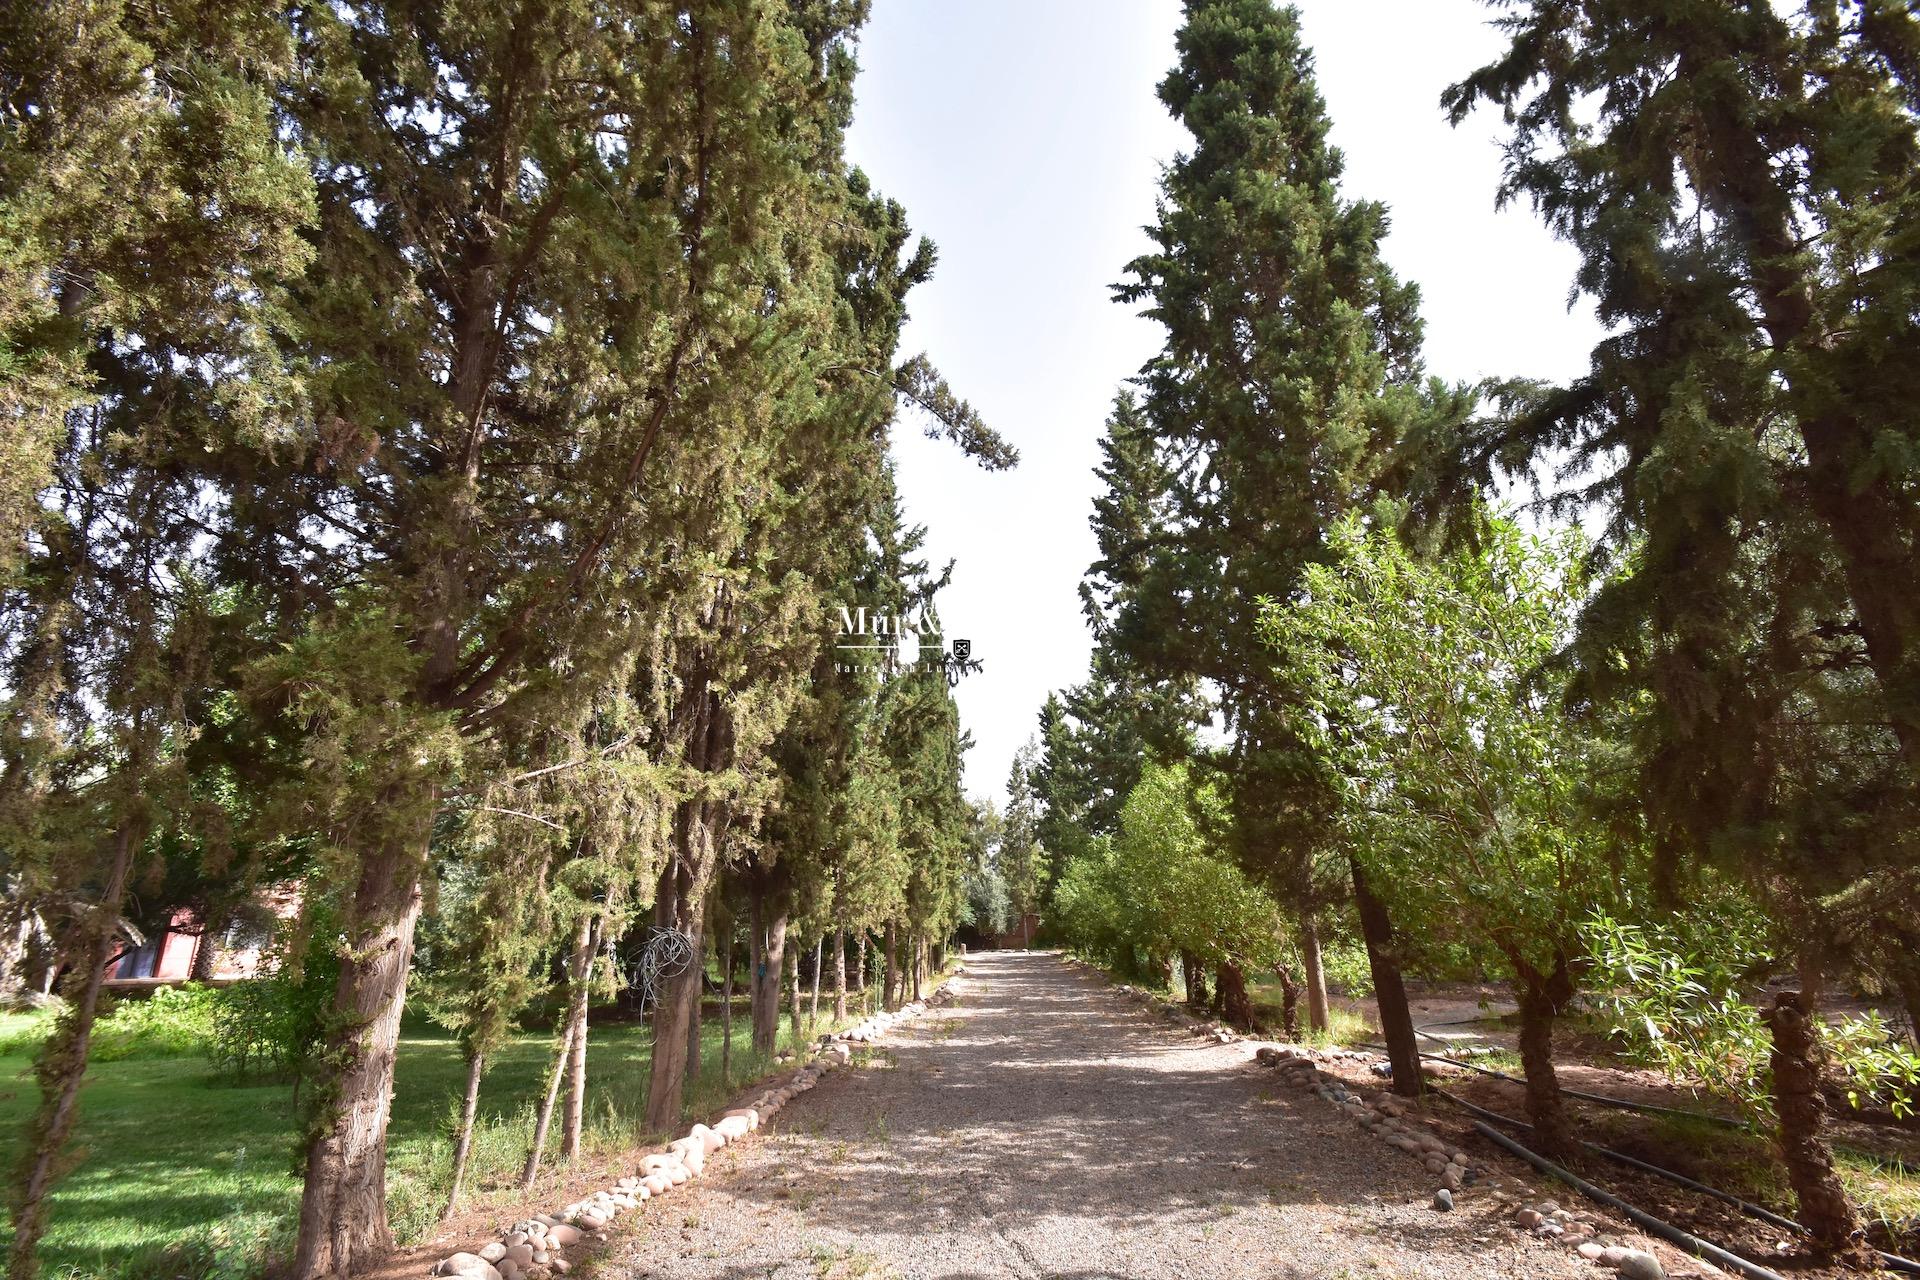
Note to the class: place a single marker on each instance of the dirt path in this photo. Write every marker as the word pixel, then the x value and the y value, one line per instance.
pixel 1040 1126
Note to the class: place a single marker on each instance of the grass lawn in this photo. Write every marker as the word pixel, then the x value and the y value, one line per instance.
pixel 175 1157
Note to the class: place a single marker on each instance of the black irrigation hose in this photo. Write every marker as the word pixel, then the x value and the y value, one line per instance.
pixel 1904 1166
pixel 1647 1222
pixel 1745 1206
pixel 1891 1260
pixel 1620 1103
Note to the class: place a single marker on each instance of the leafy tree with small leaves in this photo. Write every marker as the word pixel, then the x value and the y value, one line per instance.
pixel 1466 791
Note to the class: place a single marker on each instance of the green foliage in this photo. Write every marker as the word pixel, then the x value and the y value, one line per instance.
pixel 1344 961
pixel 1682 1009
pixel 1678 996
pixel 988 907
pixel 1097 738
pixel 1290 371
pixel 1159 886
pixel 1877 1063
pixel 171 1022
pixel 1019 858
pixel 22 1032
pixel 273 1025
pixel 1741 194
pixel 1464 788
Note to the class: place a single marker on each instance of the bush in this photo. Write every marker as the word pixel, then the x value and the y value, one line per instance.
pixel 252 1029
pixel 173 1022
pixel 1679 1004
pixel 272 1023
pixel 1345 965
pixel 208 1253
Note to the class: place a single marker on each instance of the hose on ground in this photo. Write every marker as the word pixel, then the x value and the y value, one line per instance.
pixel 1645 1221
pixel 1904 1166
pixel 1892 1260
pixel 1601 1099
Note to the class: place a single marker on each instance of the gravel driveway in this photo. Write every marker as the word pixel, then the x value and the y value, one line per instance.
pixel 1042 1126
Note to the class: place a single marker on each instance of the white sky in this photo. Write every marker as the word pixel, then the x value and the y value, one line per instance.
pixel 1025 139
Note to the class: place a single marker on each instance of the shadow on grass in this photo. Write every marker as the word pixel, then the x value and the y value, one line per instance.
pixel 181 1172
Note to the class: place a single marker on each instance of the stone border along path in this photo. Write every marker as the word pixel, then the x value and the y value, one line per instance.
pixel 534 1248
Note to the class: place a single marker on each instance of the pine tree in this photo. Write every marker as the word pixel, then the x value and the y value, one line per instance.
pixel 1743 204
pixel 1097 739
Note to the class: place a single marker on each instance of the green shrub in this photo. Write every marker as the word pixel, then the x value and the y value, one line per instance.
pixel 252 1030
pixel 1345 965
pixel 1677 998
pixel 207 1253
pixel 272 1023
pixel 173 1022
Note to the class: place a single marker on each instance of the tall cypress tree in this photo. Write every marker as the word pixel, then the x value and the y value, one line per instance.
pixel 1096 740
pixel 1743 196
pixel 540 229
pixel 149 221
pixel 1290 372
pixel 1744 201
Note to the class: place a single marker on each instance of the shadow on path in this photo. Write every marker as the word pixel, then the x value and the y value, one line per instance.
pixel 1042 1126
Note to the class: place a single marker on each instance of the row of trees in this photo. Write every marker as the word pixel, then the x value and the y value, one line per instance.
pixel 1388 710
pixel 436 444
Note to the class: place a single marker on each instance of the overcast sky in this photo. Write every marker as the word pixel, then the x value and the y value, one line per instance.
pixel 1025 140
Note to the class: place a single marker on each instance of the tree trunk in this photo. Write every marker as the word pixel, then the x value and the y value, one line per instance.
pixel 839 976
pixel 681 906
pixel 62 1062
pixel 543 1119
pixel 1193 975
pixel 1541 999
pixel 794 988
pixel 1389 990
pixel 765 990
pixel 1289 1001
pixel 1315 975
pixel 860 971
pixel 343 1208
pixel 813 1010
pixel 580 972
pixel 700 832
pixel 1795 1058
pixel 919 963
pixel 1235 1005
pixel 463 1137
pixel 694 1016
pixel 890 977
pixel 726 1008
